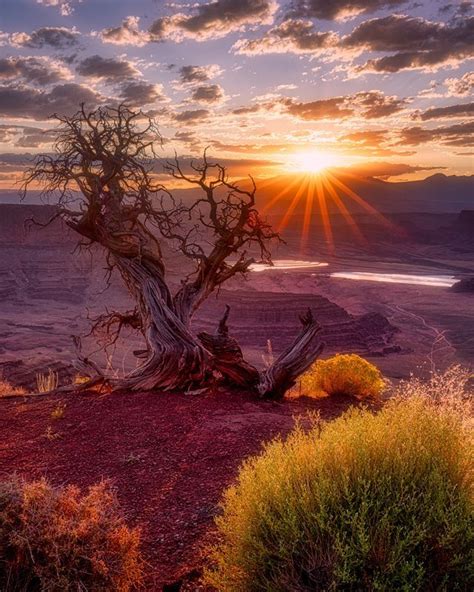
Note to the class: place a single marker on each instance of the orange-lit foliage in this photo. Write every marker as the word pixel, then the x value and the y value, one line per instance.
pixel 56 539
pixel 344 374
pixel 7 389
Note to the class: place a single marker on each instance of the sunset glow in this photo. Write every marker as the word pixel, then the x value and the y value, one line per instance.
pixel 313 161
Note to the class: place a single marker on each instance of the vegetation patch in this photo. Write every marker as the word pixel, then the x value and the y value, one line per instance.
pixel 365 502
pixel 343 374
pixel 56 539
pixel 7 389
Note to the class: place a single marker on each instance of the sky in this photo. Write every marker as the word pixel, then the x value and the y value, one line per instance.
pixel 270 86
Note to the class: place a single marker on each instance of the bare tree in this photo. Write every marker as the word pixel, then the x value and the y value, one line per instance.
pixel 105 155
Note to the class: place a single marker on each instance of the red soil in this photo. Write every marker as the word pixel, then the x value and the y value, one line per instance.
pixel 170 457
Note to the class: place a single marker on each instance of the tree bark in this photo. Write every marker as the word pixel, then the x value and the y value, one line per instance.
pixel 227 356
pixel 295 360
pixel 228 360
pixel 175 359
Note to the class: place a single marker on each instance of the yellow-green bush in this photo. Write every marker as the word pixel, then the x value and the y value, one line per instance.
pixel 344 374
pixel 366 502
pixel 57 540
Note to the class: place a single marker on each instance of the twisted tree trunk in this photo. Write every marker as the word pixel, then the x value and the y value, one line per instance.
pixel 175 359
pixel 228 360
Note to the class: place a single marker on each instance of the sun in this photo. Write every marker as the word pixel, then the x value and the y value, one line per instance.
pixel 313 161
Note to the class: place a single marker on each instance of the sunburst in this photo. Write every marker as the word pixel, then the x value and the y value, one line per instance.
pixel 317 190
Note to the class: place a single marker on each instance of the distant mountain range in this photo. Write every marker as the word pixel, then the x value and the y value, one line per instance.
pixel 438 193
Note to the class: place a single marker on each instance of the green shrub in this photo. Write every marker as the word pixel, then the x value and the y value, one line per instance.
pixel 56 540
pixel 366 502
pixel 343 374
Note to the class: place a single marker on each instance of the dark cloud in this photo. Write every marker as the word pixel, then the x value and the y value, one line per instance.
pixel 376 104
pixel 369 105
pixel 294 35
pixel 141 93
pixel 29 103
pixel 109 69
pixel 454 135
pixel 192 116
pixel 213 19
pixel 211 93
pixel 247 110
pixel 198 74
pixel 55 37
pixel 321 109
pixel 416 42
pixel 34 137
pixel 465 110
pixel 336 9
pixel 37 70
pixel 185 136
pixel 128 33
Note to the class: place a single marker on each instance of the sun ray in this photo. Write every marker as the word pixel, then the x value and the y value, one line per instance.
pixel 293 204
pixel 307 214
pixel 343 209
pixel 279 195
pixel 361 201
pixel 324 214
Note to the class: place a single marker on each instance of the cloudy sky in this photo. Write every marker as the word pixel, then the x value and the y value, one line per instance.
pixel 268 84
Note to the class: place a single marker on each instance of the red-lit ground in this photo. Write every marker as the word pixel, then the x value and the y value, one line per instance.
pixel 170 457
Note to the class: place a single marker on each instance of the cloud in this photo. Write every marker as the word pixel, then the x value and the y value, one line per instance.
pixel 376 104
pixel 109 69
pixel 64 6
pixel 369 105
pixel 128 33
pixel 138 93
pixel 367 137
pixel 56 37
pixel 30 103
pixel 458 87
pixel 296 36
pixel 192 116
pixel 464 110
pixel 40 70
pixel 211 93
pixel 34 137
pixel 385 170
pixel 416 43
pixel 321 109
pixel 454 135
pixel 339 9
pixel 198 74
pixel 214 19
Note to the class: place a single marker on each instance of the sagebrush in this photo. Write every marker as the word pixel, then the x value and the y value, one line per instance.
pixel 366 502
pixel 57 540
pixel 343 374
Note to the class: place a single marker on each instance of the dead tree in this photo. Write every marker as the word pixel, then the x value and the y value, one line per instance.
pixel 106 157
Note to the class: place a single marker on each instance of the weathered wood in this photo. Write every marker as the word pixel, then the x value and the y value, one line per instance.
pixel 295 360
pixel 227 357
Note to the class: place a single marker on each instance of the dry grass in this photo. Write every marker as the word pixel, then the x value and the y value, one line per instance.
pixel 7 389
pixel 368 501
pixel 59 540
pixel 343 374
pixel 47 382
